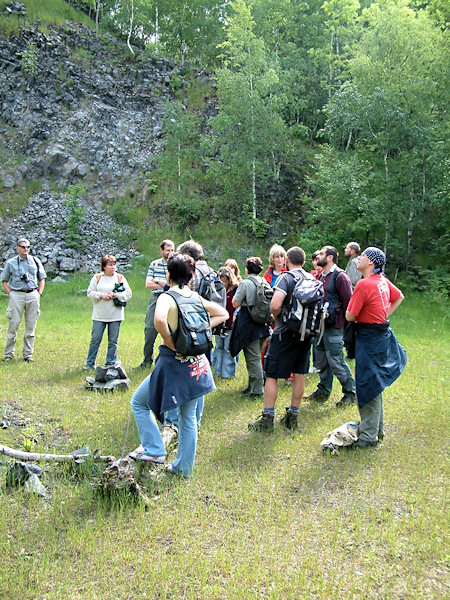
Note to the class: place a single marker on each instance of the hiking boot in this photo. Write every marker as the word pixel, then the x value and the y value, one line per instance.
pixel 7 359
pixel 318 396
pixel 364 443
pixel 290 419
pixel 246 390
pixel 346 400
pixel 28 359
pixel 144 365
pixel 263 423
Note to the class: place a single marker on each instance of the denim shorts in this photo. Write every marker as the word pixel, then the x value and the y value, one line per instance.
pixel 287 354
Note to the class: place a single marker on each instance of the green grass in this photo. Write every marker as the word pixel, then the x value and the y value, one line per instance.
pixel 265 516
pixel 50 12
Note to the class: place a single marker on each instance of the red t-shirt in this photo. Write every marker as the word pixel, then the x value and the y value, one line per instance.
pixel 371 299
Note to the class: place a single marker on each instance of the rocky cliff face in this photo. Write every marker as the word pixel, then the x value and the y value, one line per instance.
pixel 87 113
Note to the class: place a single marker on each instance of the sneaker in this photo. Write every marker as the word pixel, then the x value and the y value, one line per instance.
pixel 318 396
pixel 263 423
pixel 7 359
pixel 88 368
pixel 246 391
pixel 28 359
pixel 346 400
pixel 254 395
pixel 140 454
pixel 364 443
pixel 313 370
pixel 290 419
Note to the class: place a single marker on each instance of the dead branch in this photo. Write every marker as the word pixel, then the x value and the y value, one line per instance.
pixel 49 457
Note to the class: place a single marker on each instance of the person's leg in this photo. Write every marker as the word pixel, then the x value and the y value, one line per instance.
pixel 147 427
pixel 298 389
pixel 219 355
pixel 337 362
pixel 31 316
pixel 14 311
pixel 171 417
pixel 199 410
pixel 381 421
pixel 187 439
pixel 270 393
pixel 98 327
pixel 325 373
pixel 150 332
pixel 228 361
pixel 370 420
pixel 252 354
pixel 113 338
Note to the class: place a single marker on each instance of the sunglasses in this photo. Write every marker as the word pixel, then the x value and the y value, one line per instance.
pixel 25 247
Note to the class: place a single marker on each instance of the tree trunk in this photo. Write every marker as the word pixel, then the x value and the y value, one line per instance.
pixel 388 212
pixel 156 28
pixel 179 166
pixel 130 30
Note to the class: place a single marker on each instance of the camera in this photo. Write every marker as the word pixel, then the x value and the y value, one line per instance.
pixel 25 277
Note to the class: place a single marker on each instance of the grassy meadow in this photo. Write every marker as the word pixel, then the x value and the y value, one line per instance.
pixel 264 516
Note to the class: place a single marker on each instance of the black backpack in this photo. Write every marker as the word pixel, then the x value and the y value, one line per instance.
pixel 260 312
pixel 211 288
pixel 305 313
pixel 193 336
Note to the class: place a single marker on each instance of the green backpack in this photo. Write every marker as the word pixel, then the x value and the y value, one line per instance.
pixel 260 311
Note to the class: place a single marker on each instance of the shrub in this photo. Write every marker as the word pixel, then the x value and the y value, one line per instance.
pixel 29 61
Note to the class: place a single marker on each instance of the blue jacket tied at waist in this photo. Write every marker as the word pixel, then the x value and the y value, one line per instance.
pixel 379 360
pixel 177 379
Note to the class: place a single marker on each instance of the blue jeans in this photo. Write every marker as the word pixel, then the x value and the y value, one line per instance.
pixel 98 327
pixel 150 436
pixel 225 364
pixel 145 421
pixel 171 416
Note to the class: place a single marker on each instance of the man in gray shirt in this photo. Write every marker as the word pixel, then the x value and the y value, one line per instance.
pixel 23 279
pixel 351 252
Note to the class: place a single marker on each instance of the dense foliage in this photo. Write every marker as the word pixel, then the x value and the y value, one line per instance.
pixel 329 122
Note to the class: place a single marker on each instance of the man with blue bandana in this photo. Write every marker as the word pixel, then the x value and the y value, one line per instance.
pixel 379 358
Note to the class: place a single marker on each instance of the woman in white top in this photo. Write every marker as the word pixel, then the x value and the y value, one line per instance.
pixel 107 310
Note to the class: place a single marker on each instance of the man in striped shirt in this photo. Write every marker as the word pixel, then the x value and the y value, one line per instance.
pixel 155 281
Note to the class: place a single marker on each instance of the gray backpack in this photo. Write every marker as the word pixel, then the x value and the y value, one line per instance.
pixel 260 311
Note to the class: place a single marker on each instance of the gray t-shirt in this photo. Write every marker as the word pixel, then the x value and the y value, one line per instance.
pixel 286 284
pixel 15 269
pixel 246 292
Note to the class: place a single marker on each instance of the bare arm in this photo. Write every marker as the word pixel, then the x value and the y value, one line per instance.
pixel 161 325
pixel 277 302
pixel 394 305
pixel 349 316
pixel 217 313
pixel 41 286
pixel 154 284
pixel 6 287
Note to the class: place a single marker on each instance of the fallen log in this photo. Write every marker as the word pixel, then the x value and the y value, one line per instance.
pixel 36 456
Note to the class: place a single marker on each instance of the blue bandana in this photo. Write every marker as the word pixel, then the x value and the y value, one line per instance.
pixel 377 257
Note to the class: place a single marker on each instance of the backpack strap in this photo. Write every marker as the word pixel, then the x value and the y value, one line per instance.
pixel 98 276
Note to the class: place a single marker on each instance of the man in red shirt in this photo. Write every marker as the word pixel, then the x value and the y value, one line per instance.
pixel 379 357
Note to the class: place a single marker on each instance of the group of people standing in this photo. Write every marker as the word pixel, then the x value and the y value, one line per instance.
pixel 174 392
